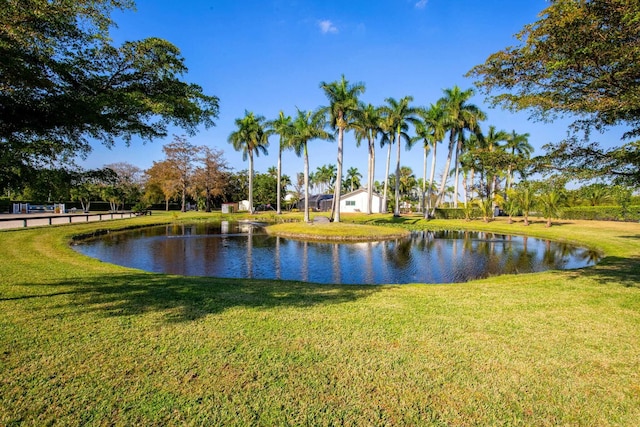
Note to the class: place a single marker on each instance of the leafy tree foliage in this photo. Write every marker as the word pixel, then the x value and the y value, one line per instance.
pixel 63 84
pixel 581 58
pixel 209 178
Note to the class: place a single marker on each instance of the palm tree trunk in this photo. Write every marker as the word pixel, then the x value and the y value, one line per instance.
pixel 338 184
pixel 464 188
pixel 396 211
pixel 370 172
pixel 279 190
pixel 306 184
pixel 250 182
pixel 445 173
pixel 424 178
pixel 432 176
pixel 386 180
pixel 472 173
pixel 457 174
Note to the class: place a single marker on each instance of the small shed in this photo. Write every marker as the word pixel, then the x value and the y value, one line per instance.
pixel 229 208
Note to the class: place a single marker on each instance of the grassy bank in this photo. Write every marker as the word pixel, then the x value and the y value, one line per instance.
pixel 336 231
pixel 87 343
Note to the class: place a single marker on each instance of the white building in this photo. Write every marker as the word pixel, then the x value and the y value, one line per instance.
pixel 356 201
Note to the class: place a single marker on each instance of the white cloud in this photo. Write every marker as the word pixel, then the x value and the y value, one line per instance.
pixel 421 4
pixel 327 26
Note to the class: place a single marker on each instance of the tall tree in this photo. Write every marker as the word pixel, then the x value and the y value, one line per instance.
pixel 307 126
pixel 400 113
pixel 424 135
pixel 343 102
pixel 164 176
pixel 210 176
pixel 388 136
pixel 461 116
pixel 181 155
pixel 251 138
pixel 86 186
pixel 63 84
pixel 580 59
pixel 129 178
pixel 282 126
pixel 490 144
pixel 435 122
pixel 367 125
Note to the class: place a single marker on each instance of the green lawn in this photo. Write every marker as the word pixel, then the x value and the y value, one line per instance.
pixel 87 343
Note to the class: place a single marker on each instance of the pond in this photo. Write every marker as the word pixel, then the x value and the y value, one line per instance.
pixel 244 250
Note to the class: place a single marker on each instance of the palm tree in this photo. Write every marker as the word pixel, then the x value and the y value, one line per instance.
pixel 549 203
pixel 525 198
pixel 353 179
pixel 343 101
pixel 491 143
pixel 367 125
pixel 461 116
pixel 400 113
pixel 510 205
pixel 423 133
pixel 407 182
pixel 282 127
pixel 250 138
pixel 325 177
pixel 435 120
pixel 307 125
pixel 388 132
pixel 518 145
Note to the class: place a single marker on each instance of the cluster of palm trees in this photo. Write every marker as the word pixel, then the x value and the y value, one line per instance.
pixel 480 159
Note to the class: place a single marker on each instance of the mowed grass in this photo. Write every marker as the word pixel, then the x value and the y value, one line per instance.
pixel 87 343
pixel 335 231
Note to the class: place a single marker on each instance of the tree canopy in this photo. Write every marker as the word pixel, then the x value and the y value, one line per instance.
pixel 582 57
pixel 63 84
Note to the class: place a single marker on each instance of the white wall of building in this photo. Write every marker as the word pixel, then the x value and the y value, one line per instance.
pixel 356 201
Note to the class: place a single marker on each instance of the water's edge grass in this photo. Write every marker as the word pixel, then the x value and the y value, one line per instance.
pixel 88 343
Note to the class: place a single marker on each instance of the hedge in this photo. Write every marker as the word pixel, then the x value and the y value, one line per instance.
pixel 602 213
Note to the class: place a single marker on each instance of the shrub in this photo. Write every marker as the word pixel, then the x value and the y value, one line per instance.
pixel 456 213
pixel 5 204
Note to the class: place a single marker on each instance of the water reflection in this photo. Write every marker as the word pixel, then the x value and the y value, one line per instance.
pixel 243 250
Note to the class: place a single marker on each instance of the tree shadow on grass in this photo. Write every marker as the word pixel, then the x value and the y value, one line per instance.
pixel 188 298
pixel 625 271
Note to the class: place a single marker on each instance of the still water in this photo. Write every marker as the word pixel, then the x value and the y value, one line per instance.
pixel 241 250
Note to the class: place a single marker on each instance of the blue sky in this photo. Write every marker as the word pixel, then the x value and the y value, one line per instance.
pixel 271 55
